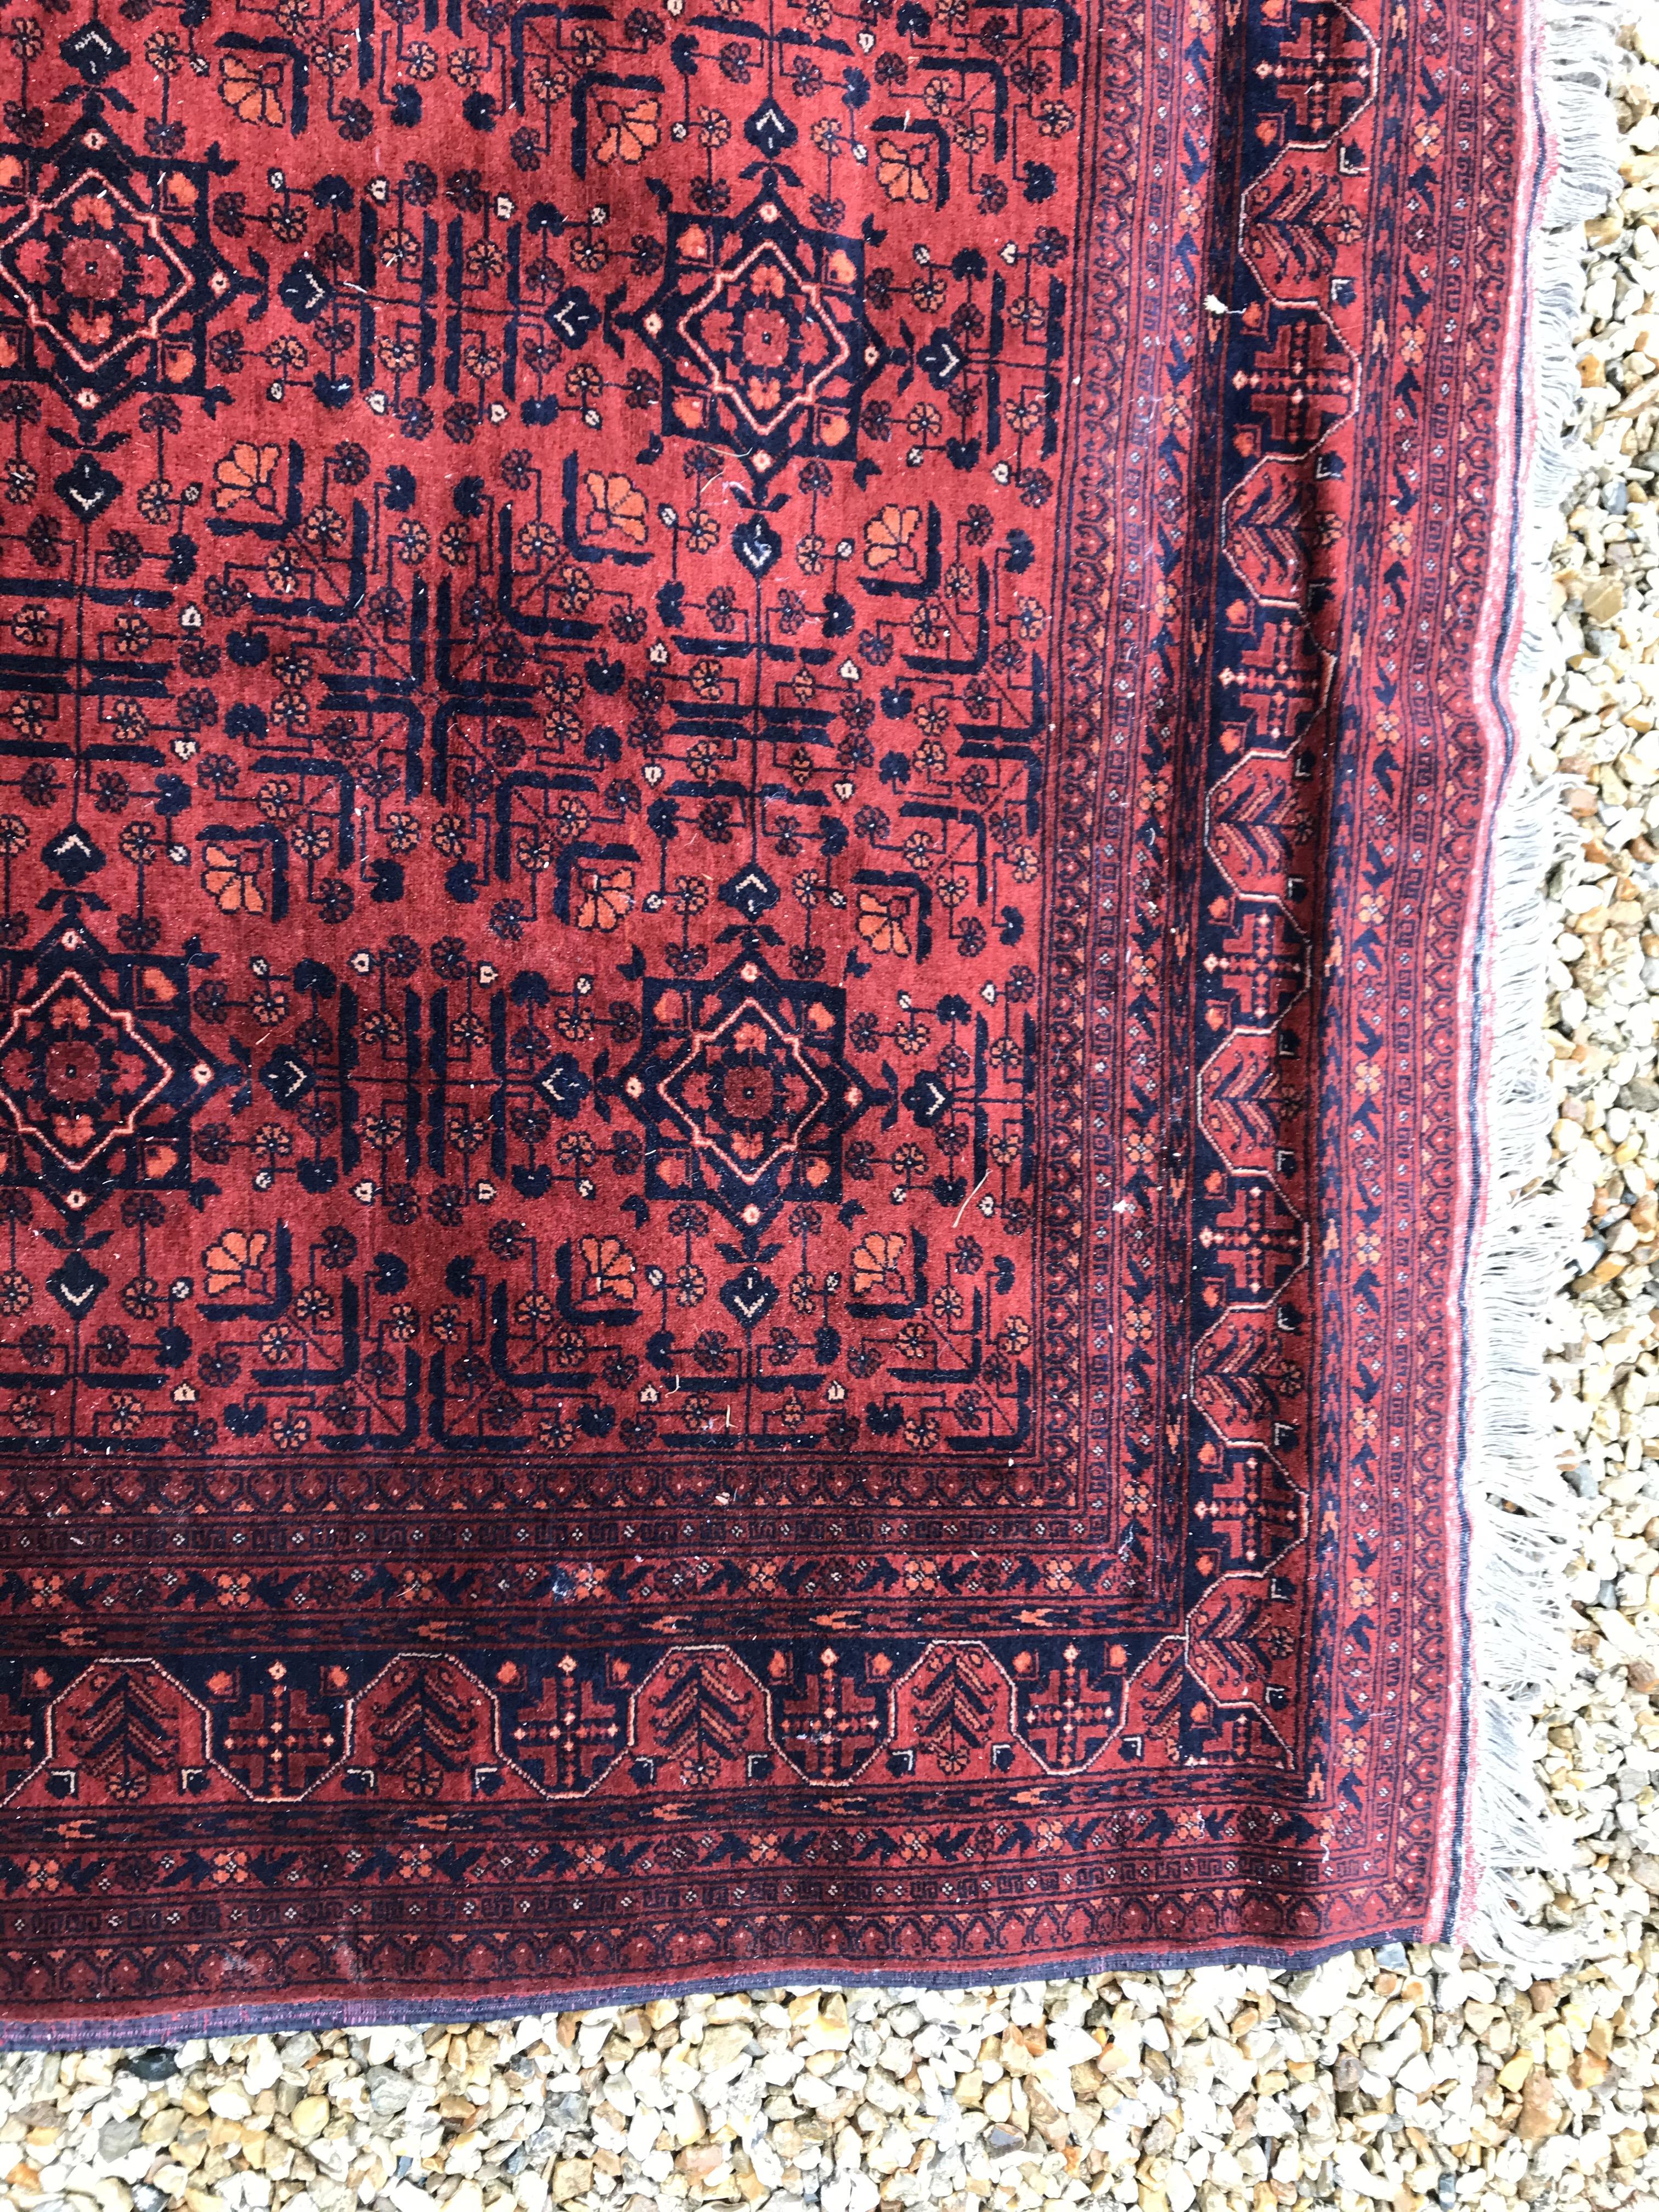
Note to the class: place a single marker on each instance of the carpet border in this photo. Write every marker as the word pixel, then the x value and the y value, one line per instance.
pixel 185 2025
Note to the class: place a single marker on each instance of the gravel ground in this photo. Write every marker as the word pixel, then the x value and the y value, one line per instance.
pixel 1411 2078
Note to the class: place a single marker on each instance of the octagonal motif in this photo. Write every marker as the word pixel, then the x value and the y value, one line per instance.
pixel 101 1072
pixel 108 273
pixel 75 1072
pixel 759 327
pixel 742 1086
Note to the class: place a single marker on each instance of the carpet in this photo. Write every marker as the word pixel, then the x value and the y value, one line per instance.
pixel 752 770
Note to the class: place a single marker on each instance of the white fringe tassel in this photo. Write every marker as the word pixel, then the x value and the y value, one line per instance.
pixel 1522 1519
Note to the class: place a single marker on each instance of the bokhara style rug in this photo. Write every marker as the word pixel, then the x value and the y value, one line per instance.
pixel 749 764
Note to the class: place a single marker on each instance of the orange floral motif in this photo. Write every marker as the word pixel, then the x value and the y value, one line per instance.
pixel 231 880
pixel 902 174
pixel 233 1260
pixel 93 211
pixel 616 505
pixel 609 1267
pixel 253 90
pixel 246 471
pixel 630 130
pixel 887 537
pixel 878 1265
pixel 881 921
pixel 607 898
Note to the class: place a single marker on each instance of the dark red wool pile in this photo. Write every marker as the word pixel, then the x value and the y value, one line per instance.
pixel 744 763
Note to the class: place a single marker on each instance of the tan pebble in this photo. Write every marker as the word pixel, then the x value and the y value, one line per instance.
pixel 1604 600
pixel 572 2176
pixel 309 2117
pixel 1541 2108
pixel 723 2046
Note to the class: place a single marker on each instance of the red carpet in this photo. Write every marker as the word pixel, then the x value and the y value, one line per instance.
pixel 747 759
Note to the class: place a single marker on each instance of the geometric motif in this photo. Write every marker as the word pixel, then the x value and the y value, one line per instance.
pixel 100 1073
pixel 742 1087
pixel 759 327
pixel 741 778
pixel 110 258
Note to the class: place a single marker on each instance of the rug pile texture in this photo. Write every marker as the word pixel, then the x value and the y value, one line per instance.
pixel 752 773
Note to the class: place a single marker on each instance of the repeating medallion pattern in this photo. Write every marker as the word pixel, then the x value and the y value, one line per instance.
pixel 739 787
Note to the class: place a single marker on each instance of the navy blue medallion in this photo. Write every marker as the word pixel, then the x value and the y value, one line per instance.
pixel 760 329
pixel 743 1091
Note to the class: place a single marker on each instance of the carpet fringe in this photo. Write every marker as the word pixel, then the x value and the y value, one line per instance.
pixel 1522 1521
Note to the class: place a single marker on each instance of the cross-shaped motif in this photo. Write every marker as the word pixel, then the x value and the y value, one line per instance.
pixel 1252 1509
pixel 1261 964
pixel 278 1744
pixel 1302 385
pixel 832 1729
pixel 1059 1720
pixel 1323 74
pixel 1278 679
pixel 570 1743
pixel 1259 1240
